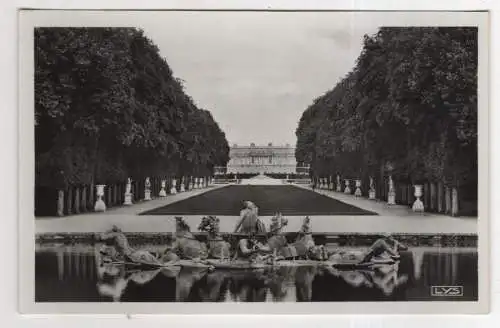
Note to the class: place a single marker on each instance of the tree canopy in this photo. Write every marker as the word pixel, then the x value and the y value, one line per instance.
pixel 107 107
pixel 409 106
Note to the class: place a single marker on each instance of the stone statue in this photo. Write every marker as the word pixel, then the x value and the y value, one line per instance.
pixel 418 205
pixel 147 189
pixel 128 188
pixel 128 193
pixel 163 193
pixel 173 190
pixel 183 187
pixel 357 192
pixel 100 206
pixel 391 196
pixel 371 192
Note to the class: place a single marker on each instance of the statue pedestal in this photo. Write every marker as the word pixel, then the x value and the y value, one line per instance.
pixel 163 193
pixel 418 206
pixel 128 199
pixel 147 195
pixel 183 189
pixel 391 198
pixel 371 194
pixel 100 206
pixel 347 189
pixel 173 191
pixel 357 192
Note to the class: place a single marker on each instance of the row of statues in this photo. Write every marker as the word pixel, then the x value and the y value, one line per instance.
pixel 194 183
pixel 327 183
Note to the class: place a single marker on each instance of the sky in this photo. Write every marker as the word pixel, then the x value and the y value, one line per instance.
pixel 256 71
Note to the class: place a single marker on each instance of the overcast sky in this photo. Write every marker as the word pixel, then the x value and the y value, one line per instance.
pixel 255 71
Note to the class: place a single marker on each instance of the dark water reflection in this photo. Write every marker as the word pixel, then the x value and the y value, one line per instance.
pixel 71 274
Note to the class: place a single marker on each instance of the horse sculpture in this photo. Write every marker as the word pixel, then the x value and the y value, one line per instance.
pixel 184 245
pixel 303 246
pixel 218 248
pixel 277 243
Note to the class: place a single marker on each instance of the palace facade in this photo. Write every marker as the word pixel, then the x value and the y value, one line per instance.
pixel 256 159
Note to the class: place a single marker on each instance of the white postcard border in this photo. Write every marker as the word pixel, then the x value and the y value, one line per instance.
pixel 26 201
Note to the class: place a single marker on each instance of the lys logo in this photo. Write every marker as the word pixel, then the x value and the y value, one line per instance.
pixel 447 291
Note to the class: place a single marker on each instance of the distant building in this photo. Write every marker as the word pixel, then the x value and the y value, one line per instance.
pixel 262 159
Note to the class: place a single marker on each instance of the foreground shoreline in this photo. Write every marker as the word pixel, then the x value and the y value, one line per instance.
pixel 340 239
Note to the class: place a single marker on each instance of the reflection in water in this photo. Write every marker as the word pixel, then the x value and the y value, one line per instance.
pixel 72 273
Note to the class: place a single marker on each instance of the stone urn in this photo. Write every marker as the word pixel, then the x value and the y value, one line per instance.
pixel 418 205
pixel 357 192
pixel 147 189
pixel 128 193
pixel 347 189
pixel 100 206
pixel 163 192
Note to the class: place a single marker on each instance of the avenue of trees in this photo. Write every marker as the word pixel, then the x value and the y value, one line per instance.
pixel 107 107
pixel 408 108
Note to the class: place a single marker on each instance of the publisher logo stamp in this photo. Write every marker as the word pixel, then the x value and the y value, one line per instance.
pixel 447 291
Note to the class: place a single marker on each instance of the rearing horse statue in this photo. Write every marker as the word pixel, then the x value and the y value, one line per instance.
pixel 184 244
pixel 302 246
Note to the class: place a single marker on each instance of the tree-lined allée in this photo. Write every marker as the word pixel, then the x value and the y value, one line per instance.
pixel 408 108
pixel 108 107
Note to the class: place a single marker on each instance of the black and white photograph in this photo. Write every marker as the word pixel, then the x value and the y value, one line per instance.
pixel 222 158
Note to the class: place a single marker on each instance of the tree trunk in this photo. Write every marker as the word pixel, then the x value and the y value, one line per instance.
pixel 440 197
pixel 69 201
pixel 433 196
pixel 83 205
pixel 77 200
pixel 60 203
pixel 454 202
pixel 448 200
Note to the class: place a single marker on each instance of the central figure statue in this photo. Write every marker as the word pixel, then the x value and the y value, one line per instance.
pixel 249 220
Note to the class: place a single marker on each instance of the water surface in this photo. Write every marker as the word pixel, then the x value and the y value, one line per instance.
pixel 70 273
